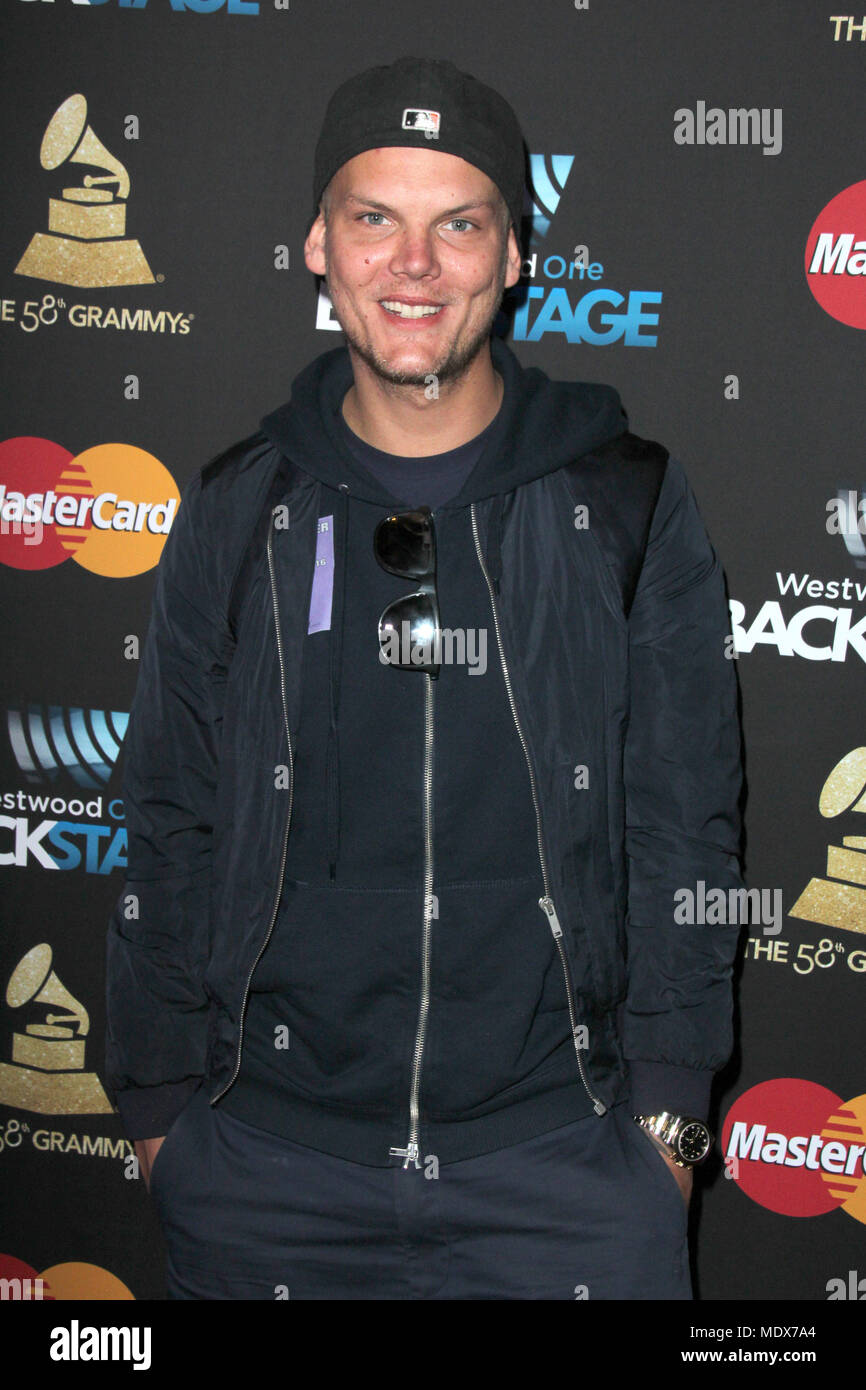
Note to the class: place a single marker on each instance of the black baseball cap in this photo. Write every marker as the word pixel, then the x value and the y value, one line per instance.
pixel 424 103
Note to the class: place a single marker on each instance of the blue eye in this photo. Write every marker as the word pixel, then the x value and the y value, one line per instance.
pixel 463 220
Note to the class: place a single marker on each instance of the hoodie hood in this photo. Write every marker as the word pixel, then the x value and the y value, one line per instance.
pixel 541 426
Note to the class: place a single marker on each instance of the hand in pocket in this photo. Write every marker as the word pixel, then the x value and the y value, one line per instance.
pixel 146 1151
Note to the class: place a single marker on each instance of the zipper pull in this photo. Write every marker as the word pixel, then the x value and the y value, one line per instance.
pixel 410 1153
pixel 546 905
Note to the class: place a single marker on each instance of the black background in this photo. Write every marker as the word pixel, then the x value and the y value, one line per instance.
pixel 229 108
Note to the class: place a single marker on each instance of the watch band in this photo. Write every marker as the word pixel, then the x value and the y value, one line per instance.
pixel 682 1138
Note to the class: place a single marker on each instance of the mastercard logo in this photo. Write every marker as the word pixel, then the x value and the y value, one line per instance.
pixel 60 1283
pixel 836 257
pixel 109 508
pixel 798 1149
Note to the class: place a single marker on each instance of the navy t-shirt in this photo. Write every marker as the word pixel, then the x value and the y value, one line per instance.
pixel 427 481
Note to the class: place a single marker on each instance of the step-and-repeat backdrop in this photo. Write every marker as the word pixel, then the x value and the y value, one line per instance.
pixel 697 238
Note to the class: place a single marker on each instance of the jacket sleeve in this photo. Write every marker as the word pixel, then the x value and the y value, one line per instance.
pixel 158 936
pixel 683 777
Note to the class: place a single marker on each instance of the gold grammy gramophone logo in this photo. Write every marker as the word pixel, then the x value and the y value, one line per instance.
pixel 86 242
pixel 839 900
pixel 46 1074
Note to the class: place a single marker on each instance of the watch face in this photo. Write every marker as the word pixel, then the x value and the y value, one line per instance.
pixel 693 1142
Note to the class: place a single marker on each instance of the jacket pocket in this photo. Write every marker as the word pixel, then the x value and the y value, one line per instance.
pixel 156 1168
pixel 657 1168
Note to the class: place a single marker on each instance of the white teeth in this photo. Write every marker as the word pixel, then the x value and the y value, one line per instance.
pixel 410 311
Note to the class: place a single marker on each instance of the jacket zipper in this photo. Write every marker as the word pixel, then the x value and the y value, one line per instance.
pixel 276 608
pixel 546 903
pixel 410 1154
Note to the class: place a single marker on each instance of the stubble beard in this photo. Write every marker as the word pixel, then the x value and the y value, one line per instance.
pixel 455 360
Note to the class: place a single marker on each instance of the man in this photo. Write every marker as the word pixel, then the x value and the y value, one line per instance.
pixel 399 976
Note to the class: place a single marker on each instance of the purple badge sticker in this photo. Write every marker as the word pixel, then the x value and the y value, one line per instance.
pixel 323 578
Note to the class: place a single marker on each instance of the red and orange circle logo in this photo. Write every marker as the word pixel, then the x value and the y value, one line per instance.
pixel 109 508
pixel 836 256
pixel 72 1280
pixel 797 1148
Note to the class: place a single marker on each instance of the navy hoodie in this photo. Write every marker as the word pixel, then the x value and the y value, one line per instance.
pixel 332 1029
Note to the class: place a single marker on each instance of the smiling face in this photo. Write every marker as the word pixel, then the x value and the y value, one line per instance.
pixel 415 258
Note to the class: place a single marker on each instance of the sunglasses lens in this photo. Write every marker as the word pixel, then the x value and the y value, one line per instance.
pixel 408 629
pixel 404 544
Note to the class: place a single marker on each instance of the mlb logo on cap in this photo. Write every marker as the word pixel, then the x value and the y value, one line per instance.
pixel 416 119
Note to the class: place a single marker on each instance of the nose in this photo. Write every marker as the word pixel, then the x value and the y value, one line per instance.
pixel 415 253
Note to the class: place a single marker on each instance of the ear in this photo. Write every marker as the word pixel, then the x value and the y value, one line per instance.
pixel 314 247
pixel 513 264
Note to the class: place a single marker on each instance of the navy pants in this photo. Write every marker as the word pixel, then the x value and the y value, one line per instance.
pixel 587 1211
